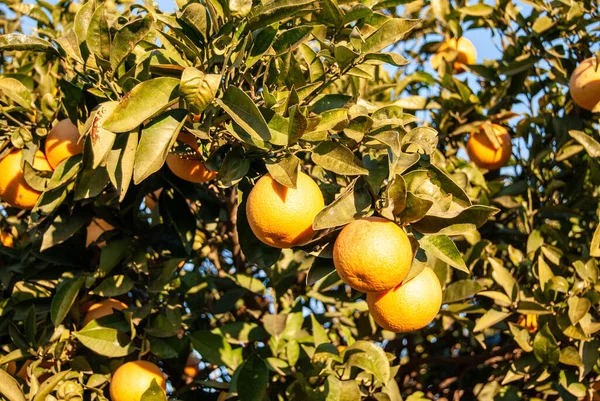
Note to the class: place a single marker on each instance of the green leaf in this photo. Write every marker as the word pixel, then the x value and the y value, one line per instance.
pixel 292 350
pixel 595 244
pixel 395 198
pixel 590 144
pixel 521 336
pixel 62 228
pixel 91 182
pixel 353 203
pixel 249 283
pixel 545 347
pixel 275 324
pixel 289 39
pixel 82 22
pixel 338 390
pixel 285 171
pixel 336 157
pixel 489 319
pixel 319 334
pixel 112 254
pixel 10 388
pixel 234 167
pixel 421 138
pixel 415 210
pixel 177 211
pixel 542 24
pixel 262 42
pixel 315 65
pixel 49 385
pixel 461 289
pixel 114 286
pixel 277 10
pixel 394 59
pixel 98 36
pixel 105 341
pixel 121 161
pixel 64 299
pixel 578 308
pixel 570 356
pixel 143 102
pixel 443 248
pixel 16 91
pixel 433 223
pixel 477 10
pixel 369 357
pixel 127 38
pixel 20 42
pixel 212 347
pixel 154 393
pixel 389 33
pixel 102 140
pixel 155 142
pixel 441 9
pixel 244 112
pixel 196 16
pixel 252 379
pixel 198 89
pixel 589 357
pixel 503 277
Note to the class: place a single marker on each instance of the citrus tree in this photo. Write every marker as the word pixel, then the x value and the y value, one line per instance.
pixel 267 200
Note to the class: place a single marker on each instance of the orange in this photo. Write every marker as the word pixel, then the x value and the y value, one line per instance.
pixel 528 321
pixel 6 239
pixel 132 380
pixel 192 170
pixel 94 230
pixel 482 152
pixel 372 254
pixel 62 142
pixel 191 367
pixel 584 84
pixel 103 308
pixel 282 217
pixel 596 392
pixel 14 190
pixel 410 306
pixel 11 368
pixel 467 54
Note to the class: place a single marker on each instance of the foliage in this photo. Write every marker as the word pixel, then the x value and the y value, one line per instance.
pixel 322 87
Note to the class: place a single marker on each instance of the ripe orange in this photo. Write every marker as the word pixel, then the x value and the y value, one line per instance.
pixel 410 306
pixel 528 321
pixel 467 54
pixel 103 308
pixel 584 84
pixel 282 217
pixel 132 379
pixel 481 150
pixel 94 230
pixel 6 239
pixel 62 142
pixel 372 254
pixel 192 170
pixel 596 392
pixel 14 190
pixel 11 368
pixel 191 367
